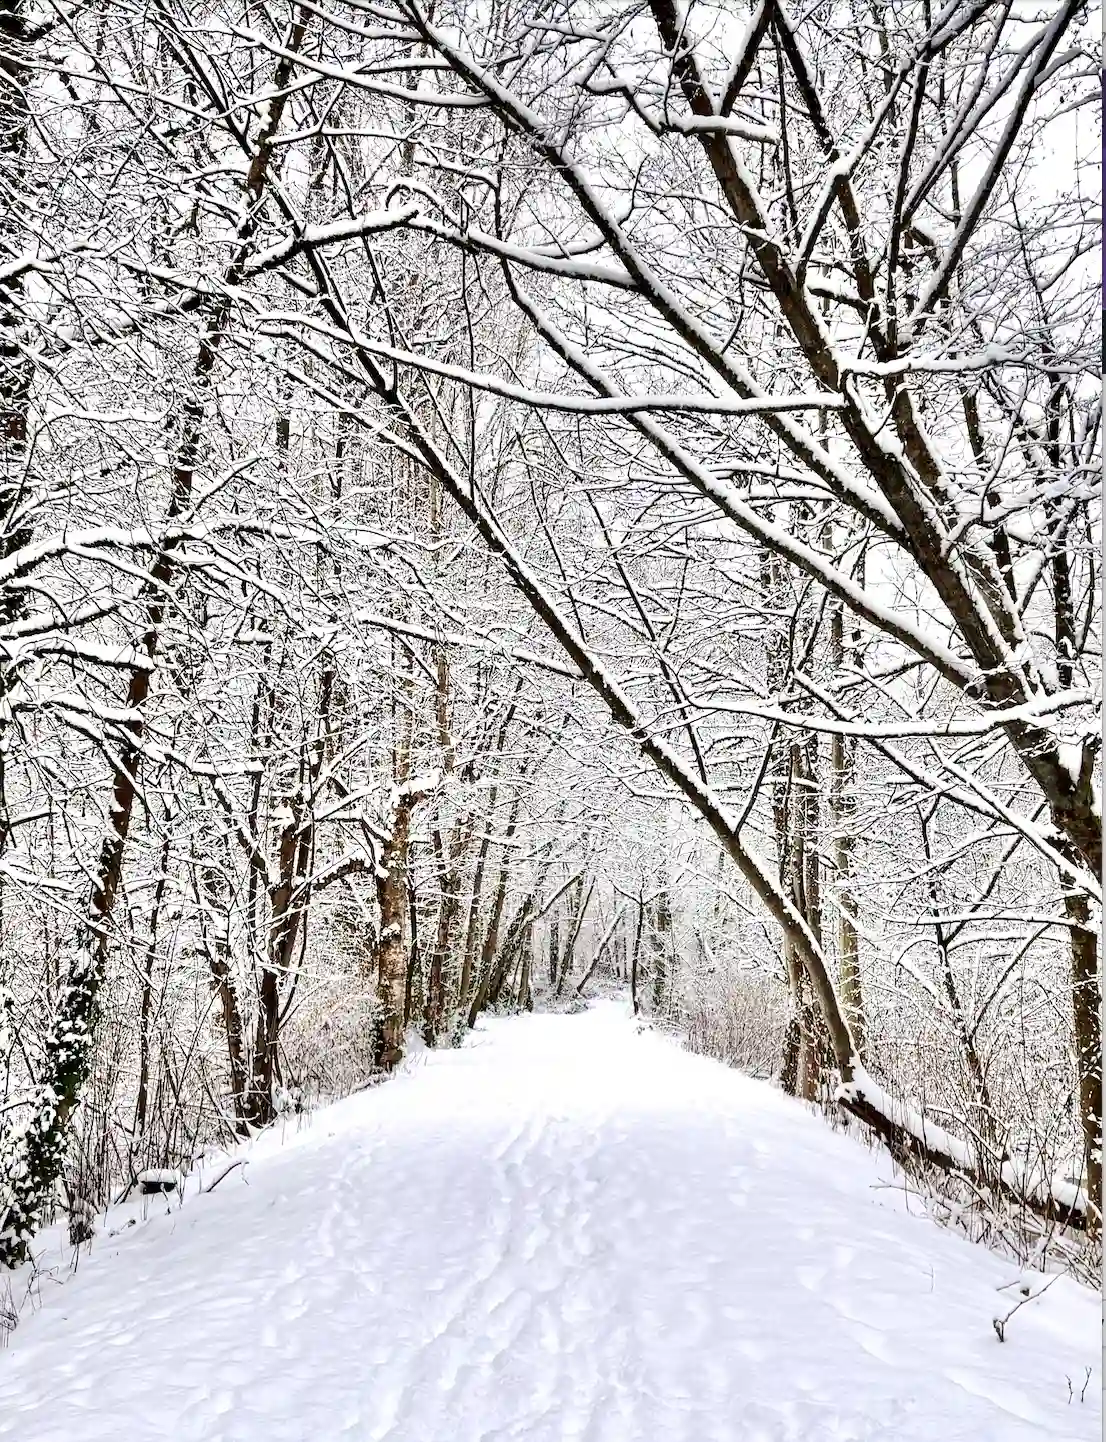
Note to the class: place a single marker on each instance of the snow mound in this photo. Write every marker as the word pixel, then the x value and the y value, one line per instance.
pixel 569 1228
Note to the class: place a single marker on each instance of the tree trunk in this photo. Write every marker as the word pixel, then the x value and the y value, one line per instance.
pixel 509 952
pixel 842 802
pixel 146 1001
pixel 569 957
pixel 525 999
pixel 215 939
pixel 635 959
pixel 448 913
pixel 16 365
pixel 807 896
pixel 491 936
pixel 554 949
pixel 1085 995
pixel 392 957
pixel 661 935
pixel 283 927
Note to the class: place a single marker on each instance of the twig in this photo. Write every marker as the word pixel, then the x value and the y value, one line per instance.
pixel 239 1162
pixel 999 1323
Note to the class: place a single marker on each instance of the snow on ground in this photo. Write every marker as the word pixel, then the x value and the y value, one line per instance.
pixel 569 1229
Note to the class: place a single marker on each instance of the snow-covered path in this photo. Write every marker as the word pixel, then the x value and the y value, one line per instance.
pixel 565 1230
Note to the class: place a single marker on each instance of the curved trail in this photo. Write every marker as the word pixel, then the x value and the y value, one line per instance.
pixel 566 1230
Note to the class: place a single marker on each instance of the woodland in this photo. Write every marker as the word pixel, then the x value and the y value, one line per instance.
pixel 507 500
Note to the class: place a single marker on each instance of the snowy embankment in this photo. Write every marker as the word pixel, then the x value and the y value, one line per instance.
pixel 567 1229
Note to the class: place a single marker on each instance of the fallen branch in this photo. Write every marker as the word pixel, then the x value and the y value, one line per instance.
pixel 909 1136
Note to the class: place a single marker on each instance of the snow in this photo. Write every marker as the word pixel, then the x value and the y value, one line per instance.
pixel 569 1228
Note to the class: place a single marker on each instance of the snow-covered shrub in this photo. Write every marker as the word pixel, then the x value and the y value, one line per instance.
pixel 740 1021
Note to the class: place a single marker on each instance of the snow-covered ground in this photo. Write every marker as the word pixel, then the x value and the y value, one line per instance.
pixel 567 1229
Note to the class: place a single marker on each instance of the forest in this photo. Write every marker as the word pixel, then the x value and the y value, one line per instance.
pixel 511 502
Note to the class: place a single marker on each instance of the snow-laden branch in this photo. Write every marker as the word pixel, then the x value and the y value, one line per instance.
pixel 935 727
pixel 617 404
pixel 906 1130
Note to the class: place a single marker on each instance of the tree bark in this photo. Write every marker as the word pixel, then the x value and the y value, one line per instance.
pixel 661 936
pixel 146 999
pixel 448 913
pixel 842 800
pixel 1085 993
pixel 491 935
pixel 392 954
pixel 635 958
pixel 215 939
